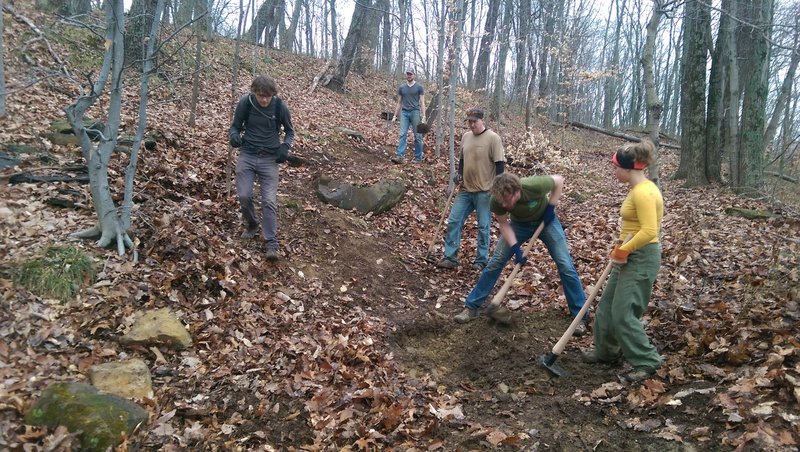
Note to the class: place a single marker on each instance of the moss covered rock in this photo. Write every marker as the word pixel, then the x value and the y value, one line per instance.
pixel 104 419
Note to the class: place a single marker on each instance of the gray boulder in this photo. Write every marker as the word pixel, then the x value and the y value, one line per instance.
pixel 376 198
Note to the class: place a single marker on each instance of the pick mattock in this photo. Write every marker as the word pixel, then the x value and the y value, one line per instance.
pixel 548 360
pixel 429 256
pixel 492 309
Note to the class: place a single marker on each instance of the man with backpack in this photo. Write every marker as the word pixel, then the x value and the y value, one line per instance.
pixel 256 129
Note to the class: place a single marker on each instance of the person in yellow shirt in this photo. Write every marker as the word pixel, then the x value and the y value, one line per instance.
pixel 618 329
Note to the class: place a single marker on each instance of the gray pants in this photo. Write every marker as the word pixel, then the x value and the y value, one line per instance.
pixel 265 168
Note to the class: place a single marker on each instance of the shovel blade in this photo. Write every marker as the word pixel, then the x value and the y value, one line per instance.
pixel 549 362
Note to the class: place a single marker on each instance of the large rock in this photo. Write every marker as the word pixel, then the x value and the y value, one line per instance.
pixel 125 378
pixel 158 327
pixel 104 419
pixel 376 198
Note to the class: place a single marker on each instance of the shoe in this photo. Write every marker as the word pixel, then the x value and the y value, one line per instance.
pixel 272 255
pixel 478 266
pixel 640 374
pixel 447 263
pixel 580 330
pixel 467 315
pixel 397 160
pixel 249 233
pixel 590 357
pixel 419 161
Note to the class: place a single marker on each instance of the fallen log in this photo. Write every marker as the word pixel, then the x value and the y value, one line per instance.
pixel 624 136
pixel 782 176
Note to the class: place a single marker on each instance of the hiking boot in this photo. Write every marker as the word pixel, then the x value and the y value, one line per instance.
pixel 397 160
pixel 272 254
pixel 590 357
pixel 478 266
pixel 467 315
pixel 447 263
pixel 640 374
pixel 249 233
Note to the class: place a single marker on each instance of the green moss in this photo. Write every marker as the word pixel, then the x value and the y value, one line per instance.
pixel 59 273
pixel 104 419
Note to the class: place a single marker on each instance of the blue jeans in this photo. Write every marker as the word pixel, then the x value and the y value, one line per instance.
pixel 409 119
pixel 464 204
pixel 261 166
pixel 556 243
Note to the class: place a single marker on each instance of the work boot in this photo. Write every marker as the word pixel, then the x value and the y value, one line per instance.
pixel 447 263
pixel 590 357
pixel 249 233
pixel 397 160
pixel 467 315
pixel 640 374
pixel 477 266
pixel 272 254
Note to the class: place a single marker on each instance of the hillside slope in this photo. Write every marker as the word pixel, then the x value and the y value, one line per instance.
pixel 347 341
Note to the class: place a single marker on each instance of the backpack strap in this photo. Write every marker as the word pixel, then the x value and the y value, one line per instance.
pixel 278 109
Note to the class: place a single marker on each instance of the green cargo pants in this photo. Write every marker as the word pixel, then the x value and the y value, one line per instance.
pixel 618 329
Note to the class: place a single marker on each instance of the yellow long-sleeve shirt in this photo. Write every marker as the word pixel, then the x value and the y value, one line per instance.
pixel 641 214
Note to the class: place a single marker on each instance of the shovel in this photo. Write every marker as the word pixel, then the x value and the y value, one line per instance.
pixel 429 256
pixel 548 360
pixel 492 309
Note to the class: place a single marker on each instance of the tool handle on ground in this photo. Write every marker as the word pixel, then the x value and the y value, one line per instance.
pixel 501 294
pixel 441 219
pixel 562 343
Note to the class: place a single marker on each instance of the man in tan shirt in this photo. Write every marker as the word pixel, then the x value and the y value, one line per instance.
pixel 482 158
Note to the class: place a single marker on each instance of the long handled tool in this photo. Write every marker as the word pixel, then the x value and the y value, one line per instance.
pixel 548 360
pixel 429 256
pixel 492 309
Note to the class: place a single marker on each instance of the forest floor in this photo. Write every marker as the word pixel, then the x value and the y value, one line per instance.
pixel 347 342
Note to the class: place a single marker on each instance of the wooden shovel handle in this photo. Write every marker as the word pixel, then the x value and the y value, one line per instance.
pixel 441 219
pixel 559 347
pixel 501 294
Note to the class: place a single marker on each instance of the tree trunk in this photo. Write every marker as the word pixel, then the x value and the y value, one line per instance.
pixel 437 105
pixel 334 31
pixel 522 45
pixel 365 53
pixel 548 12
pixel 485 49
pixel 693 97
pixel 754 100
pixel 2 66
pixel 654 106
pixel 455 63
pixel 386 39
pixel 287 37
pixel 784 93
pixel 730 124
pixel 500 75
pixel 141 17
pixel 351 44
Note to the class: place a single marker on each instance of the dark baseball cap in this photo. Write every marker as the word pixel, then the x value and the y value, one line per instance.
pixel 410 71
pixel 475 114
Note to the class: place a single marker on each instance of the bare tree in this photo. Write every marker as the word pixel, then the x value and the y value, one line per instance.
pixel 112 225
pixel 481 79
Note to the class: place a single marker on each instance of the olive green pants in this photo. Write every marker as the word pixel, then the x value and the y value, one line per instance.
pixel 618 329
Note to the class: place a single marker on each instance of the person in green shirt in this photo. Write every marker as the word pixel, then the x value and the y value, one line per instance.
pixel 520 205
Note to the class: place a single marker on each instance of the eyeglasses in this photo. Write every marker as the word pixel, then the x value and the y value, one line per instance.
pixel 472 121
